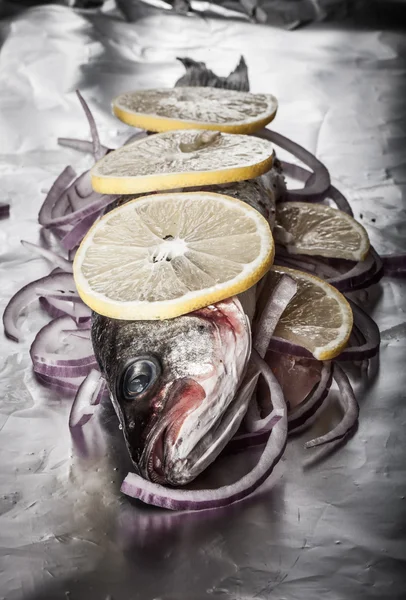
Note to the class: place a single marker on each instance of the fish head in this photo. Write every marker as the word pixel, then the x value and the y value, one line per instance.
pixel 174 384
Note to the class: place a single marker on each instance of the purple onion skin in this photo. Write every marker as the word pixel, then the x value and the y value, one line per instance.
pixel 4 210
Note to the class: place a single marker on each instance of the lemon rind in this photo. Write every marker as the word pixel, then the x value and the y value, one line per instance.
pixel 159 182
pixel 161 124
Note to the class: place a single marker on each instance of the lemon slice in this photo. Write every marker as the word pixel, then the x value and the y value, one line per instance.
pixel 315 229
pixel 177 159
pixel 161 256
pixel 318 318
pixel 195 108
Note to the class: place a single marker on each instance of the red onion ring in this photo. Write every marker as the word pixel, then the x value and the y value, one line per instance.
pixel 358 276
pixel 321 180
pixel 54 308
pixel 295 171
pixel 81 145
pixel 66 295
pixel 98 150
pixel 307 177
pixel 313 265
pixel 369 332
pixel 50 356
pixel 350 407
pixel 263 330
pixel 242 441
pixel 65 385
pixel 55 259
pixel 298 419
pixel 58 187
pixel 364 274
pixel 53 283
pixel 175 499
pixel 89 204
pixel 81 332
pixel 79 312
pixel 87 399
pixel 277 302
pixel 283 346
pixel 72 239
pixel 305 413
pixel 394 265
pixel 4 210
pixel 339 200
pixel 75 144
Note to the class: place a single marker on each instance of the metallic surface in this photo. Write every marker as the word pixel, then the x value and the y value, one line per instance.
pixel 335 530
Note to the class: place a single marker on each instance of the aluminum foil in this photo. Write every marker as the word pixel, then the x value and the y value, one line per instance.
pixel 334 529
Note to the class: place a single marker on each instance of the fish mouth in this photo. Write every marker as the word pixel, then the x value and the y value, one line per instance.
pixel 183 397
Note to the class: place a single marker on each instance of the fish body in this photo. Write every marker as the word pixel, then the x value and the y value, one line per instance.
pixel 178 385
pixel 175 383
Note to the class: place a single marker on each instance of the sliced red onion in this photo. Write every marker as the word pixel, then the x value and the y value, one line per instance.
pixel 276 304
pixel 331 193
pixel 68 204
pixel 282 346
pixel 77 195
pixel 72 254
pixel 81 332
pixel 61 231
pixel 339 200
pixel 98 150
pixel 4 210
pixel 350 407
pixel 54 308
pixel 345 275
pixel 65 385
pixel 59 354
pixel 61 308
pixel 369 331
pixel 88 205
pixel 75 144
pixel 316 265
pixel 295 171
pixel 321 178
pixel 364 274
pixel 80 145
pixel 241 441
pixel 175 499
pixel 55 259
pixel 87 399
pixel 304 414
pixel 65 294
pixel 53 283
pixel 73 238
pixel 394 265
pixel 57 189
pixel 299 418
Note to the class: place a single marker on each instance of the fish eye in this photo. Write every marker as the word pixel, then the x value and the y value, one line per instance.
pixel 138 376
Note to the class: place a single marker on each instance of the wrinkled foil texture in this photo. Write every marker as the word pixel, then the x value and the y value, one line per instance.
pixel 335 529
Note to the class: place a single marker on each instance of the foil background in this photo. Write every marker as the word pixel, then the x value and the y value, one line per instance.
pixel 336 530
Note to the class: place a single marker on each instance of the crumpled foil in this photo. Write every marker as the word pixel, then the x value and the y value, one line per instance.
pixel 289 14
pixel 332 530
